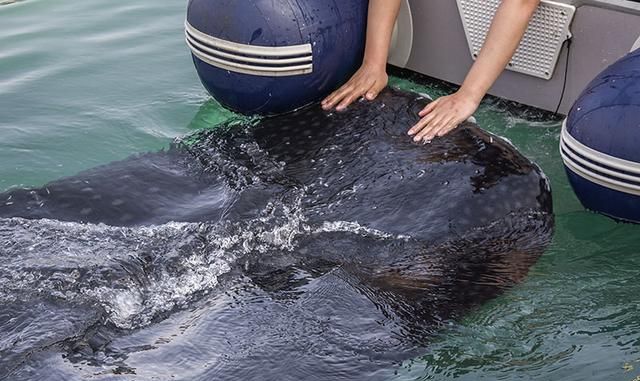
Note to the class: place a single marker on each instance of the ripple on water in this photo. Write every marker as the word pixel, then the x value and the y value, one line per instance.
pixel 571 314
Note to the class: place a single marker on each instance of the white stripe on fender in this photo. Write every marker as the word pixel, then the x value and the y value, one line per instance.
pixel 264 61
pixel 598 157
pixel 585 168
pixel 252 69
pixel 598 179
pixel 252 50
pixel 278 61
pixel 589 165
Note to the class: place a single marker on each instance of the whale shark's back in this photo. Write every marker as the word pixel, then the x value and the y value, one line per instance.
pixel 358 166
pixel 311 245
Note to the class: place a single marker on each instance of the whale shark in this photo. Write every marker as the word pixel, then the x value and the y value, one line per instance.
pixel 313 245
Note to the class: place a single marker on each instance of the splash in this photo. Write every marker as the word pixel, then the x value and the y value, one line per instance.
pixel 136 273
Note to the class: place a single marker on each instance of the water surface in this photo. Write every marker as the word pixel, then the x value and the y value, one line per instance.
pixel 86 83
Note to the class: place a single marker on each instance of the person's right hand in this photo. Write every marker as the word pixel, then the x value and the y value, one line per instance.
pixel 368 81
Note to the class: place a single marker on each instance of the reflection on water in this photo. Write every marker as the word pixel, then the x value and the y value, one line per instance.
pixel 294 247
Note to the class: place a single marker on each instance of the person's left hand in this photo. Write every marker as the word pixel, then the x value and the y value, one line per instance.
pixel 443 115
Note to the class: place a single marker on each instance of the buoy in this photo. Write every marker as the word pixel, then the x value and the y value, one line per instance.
pixel 271 57
pixel 600 142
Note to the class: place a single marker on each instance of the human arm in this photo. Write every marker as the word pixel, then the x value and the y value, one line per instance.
pixel 507 29
pixel 372 77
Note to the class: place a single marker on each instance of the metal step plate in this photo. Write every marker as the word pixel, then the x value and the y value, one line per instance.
pixel 540 48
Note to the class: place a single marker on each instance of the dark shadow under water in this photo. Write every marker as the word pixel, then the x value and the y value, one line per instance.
pixel 309 246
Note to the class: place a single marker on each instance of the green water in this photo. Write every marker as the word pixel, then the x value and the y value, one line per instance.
pixel 83 83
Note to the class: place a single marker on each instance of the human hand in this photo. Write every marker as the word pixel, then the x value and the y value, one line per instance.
pixel 443 115
pixel 368 81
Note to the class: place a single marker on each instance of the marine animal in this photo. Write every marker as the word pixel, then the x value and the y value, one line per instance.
pixel 311 245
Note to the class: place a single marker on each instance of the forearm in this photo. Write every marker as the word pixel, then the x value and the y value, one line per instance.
pixel 508 27
pixel 381 19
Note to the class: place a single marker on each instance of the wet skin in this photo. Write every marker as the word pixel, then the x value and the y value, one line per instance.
pixel 357 242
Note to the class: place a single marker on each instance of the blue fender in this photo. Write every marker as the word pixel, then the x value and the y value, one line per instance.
pixel 333 30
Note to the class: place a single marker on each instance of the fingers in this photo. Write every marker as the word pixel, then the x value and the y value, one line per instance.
pixel 436 123
pixel 346 95
pixel 428 108
pixel 427 116
pixel 366 82
pixel 445 128
pixel 373 92
pixel 429 131
pixel 332 100
pixel 453 123
pixel 442 116
pixel 350 98
pixel 419 127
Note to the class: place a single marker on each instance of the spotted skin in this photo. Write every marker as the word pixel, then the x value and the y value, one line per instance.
pixel 323 246
pixel 356 165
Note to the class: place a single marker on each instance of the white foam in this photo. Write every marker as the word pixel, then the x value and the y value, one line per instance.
pixel 137 273
pixel 356 228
